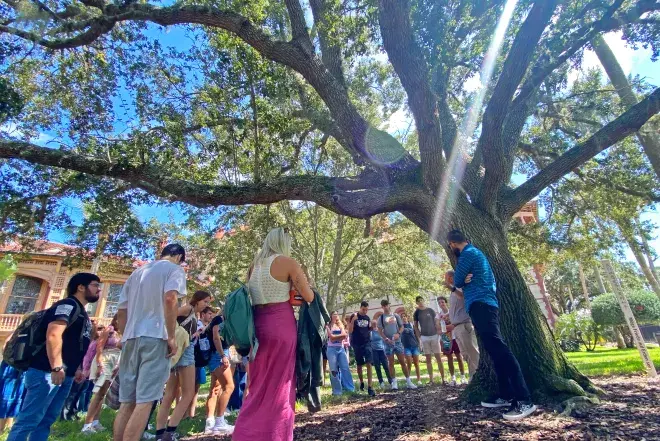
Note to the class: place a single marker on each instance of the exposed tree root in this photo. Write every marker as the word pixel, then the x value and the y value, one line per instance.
pixel 567 407
pixel 565 386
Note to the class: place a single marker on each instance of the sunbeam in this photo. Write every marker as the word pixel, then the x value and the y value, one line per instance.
pixel 447 192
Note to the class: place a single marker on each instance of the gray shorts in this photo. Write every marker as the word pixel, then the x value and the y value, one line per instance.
pixel 143 370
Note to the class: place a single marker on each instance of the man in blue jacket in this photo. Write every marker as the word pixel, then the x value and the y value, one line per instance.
pixel 474 275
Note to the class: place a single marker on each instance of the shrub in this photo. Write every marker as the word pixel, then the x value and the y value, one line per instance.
pixel 575 328
pixel 645 305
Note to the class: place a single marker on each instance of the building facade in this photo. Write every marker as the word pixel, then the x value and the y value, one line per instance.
pixel 41 280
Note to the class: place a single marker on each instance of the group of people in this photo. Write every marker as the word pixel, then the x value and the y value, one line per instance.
pixel 150 347
pixel 376 342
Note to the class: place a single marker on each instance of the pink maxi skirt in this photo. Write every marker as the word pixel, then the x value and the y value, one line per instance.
pixel 268 411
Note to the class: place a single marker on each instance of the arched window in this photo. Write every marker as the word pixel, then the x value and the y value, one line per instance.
pixel 24 295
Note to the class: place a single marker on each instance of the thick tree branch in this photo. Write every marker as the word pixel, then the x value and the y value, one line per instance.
pixel 354 127
pixel 298 25
pixel 330 51
pixel 498 154
pixel 610 134
pixel 359 197
pixel 412 69
pixel 581 38
pixel 647 138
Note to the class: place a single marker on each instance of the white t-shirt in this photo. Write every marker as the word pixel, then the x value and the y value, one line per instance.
pixel 143 298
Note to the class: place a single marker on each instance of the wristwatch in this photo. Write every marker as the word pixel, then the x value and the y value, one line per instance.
pixel 57 369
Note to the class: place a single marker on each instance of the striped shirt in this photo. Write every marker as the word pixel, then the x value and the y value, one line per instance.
pixel 482 287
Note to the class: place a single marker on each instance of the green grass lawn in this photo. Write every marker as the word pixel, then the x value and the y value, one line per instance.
pixel 612 361
pixel 603 361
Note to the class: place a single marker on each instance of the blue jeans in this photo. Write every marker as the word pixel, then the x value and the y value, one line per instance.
pixel 340 374
pixel 42 405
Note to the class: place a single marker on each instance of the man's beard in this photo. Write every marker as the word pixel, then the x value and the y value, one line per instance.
pixel 91 298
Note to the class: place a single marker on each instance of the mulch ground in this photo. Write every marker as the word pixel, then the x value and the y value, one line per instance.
pixel 629 410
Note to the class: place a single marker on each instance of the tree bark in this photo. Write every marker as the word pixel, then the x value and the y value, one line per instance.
pixel 599 280
pixel 620 342
pixel 333 279
pixel 639 256
pixel 585 291
pixel 647 248
pixel 627 231
pixel 648 134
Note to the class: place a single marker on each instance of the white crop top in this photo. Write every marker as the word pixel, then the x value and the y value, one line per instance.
pixel 264 288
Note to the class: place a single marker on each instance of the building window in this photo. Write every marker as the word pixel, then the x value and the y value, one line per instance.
pixel 24 295
pixel 112 300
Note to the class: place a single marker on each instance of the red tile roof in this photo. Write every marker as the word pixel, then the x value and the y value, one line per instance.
pixel 38 247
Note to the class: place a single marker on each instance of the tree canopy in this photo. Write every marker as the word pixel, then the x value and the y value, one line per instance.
pixel 261 102
pixel 230 108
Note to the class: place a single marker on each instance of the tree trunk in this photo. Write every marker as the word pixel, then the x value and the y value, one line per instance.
pixel 333 279
pixel 548 373
pixel 646 248
pixel 620 342
pixel 585 291
pixel 648 134
pixel 599 280
pixel 570 296
pixel 255 128
pixel 641 260
pixel 627 336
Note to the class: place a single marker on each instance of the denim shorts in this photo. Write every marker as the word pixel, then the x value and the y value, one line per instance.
pixel 411 352
pixel 395 348
pixel 216 361
pixel 187 358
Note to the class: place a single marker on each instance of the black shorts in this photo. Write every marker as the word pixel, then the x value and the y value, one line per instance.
pixel 363 354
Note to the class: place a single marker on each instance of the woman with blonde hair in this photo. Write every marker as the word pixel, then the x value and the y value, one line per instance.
pixel 268 411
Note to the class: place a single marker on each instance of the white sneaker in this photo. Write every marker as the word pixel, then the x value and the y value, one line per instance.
pixel 148 436
pixel 519 411
pixel 394 385
pixel 223 428
pixel 97 426
pixel 410 384
pixel 453 381
pixel 382 385
pixel 464 380
pixel 208 427
pixel 88 429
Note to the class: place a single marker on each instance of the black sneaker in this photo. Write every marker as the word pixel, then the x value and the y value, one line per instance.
pixel 496 402
pixel 362 386
pixel 371 392
pixel 519 411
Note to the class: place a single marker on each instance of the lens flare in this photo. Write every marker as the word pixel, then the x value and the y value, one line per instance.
pixel 453 176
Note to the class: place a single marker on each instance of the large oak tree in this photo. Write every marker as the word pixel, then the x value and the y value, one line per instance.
pixel 278 79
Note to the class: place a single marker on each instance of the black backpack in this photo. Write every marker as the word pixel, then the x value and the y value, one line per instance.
pixel 29 338
pixel 203 348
